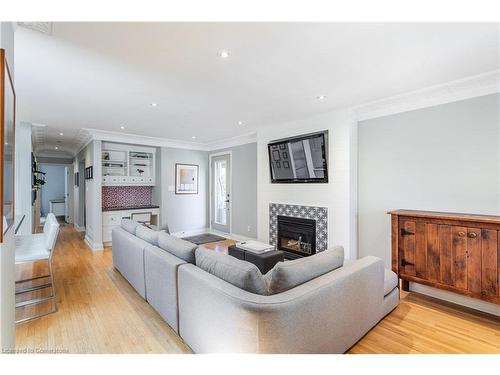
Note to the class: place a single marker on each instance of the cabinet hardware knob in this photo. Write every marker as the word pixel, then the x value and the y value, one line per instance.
pixel 472 235
pixel 461 234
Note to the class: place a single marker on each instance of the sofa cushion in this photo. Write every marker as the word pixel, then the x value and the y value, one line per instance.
pixel 289 274
pixel 240 273
pixel 177 246
pixel 147 234
pixel 390 281
pixel 130 225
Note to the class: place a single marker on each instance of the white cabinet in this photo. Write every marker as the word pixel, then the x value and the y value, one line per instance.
pixel 126 165
pixel 112 219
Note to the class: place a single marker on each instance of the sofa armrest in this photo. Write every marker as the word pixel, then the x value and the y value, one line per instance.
pixel 160 268
pixel 325 315
pixel 128 258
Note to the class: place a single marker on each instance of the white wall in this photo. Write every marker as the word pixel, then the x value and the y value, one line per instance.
pixel 335 195
pixel 183 213
pixel 7 267
pixel 23 176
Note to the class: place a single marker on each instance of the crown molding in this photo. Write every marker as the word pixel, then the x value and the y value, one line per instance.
pixel 111 136
pixel 465 88
pixel 233 142
pixel 84 138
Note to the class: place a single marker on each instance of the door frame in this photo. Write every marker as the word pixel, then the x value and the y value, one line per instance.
pixel 210 157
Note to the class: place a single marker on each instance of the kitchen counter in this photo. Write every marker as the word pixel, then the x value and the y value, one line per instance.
pixel 129 208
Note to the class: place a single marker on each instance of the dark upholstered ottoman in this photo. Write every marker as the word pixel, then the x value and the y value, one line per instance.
pixel 263 261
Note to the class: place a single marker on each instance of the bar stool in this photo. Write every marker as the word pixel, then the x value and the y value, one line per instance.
pixel 34 248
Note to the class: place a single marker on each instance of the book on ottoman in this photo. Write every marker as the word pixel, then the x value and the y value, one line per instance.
pixel 255 246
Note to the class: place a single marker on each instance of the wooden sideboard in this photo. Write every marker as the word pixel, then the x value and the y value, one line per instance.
pixel 450 251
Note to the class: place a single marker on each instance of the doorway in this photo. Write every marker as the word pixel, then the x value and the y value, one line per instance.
pixel 220 192
pixel 53 193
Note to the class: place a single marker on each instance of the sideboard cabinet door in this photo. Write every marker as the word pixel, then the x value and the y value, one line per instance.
pixel 407 243
pixel 490 273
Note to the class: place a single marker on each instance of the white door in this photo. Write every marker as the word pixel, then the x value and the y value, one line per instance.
pixel 220 197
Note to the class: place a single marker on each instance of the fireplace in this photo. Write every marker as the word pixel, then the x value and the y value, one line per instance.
pixel 296 236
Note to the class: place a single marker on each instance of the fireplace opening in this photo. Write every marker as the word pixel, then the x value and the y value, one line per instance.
pixel 296 236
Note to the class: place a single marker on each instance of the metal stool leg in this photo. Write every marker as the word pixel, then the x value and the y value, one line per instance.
pixel 36 301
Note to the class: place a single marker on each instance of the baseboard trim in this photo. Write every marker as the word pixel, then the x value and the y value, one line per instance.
pixel 231 236
pixel 194 232
pixel 458 299
pixel 191 232
pixel 93 246
pixel 79 228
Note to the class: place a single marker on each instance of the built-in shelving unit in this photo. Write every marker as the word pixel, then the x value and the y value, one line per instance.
pixel 125 165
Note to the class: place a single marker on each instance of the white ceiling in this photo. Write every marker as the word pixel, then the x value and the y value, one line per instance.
pixel 105 75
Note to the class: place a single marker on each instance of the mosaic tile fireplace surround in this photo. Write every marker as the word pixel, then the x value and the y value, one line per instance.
pixel 319 214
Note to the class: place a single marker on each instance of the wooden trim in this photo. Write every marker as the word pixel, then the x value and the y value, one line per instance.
pixel 395 245
pixel 447 216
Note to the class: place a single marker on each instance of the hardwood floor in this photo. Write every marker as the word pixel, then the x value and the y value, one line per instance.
pixel 220 246
pixel 422 324
pixel 99 312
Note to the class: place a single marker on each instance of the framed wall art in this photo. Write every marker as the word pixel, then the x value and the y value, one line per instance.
pixel 186 178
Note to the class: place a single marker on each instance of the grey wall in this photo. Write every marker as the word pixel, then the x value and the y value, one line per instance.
pixel 183 212
pixel 54 185
pixel 443 158
pixel 244 189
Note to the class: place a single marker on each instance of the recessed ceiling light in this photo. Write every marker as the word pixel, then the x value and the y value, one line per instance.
pixel 57 148
pixel 154 104
pixel 61 134
pixel 321 97
pixel 224 54
pixel 193 137
pixel 122 127
pixel 240 122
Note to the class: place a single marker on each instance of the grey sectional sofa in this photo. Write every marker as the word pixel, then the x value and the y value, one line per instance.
pixel 327 314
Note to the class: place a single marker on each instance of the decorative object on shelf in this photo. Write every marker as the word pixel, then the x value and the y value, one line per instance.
pixel 7 134
pixel 186 178
pixel 454 252
pixel 127 165
pixel 89 173
pixel 77 179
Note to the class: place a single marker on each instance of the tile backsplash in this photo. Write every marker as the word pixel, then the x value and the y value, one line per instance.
pixel 126 196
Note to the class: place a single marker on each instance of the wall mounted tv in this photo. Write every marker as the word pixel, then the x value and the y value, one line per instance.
pixel 302 159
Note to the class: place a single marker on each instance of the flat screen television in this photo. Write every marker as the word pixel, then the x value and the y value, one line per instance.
pixel 302 159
